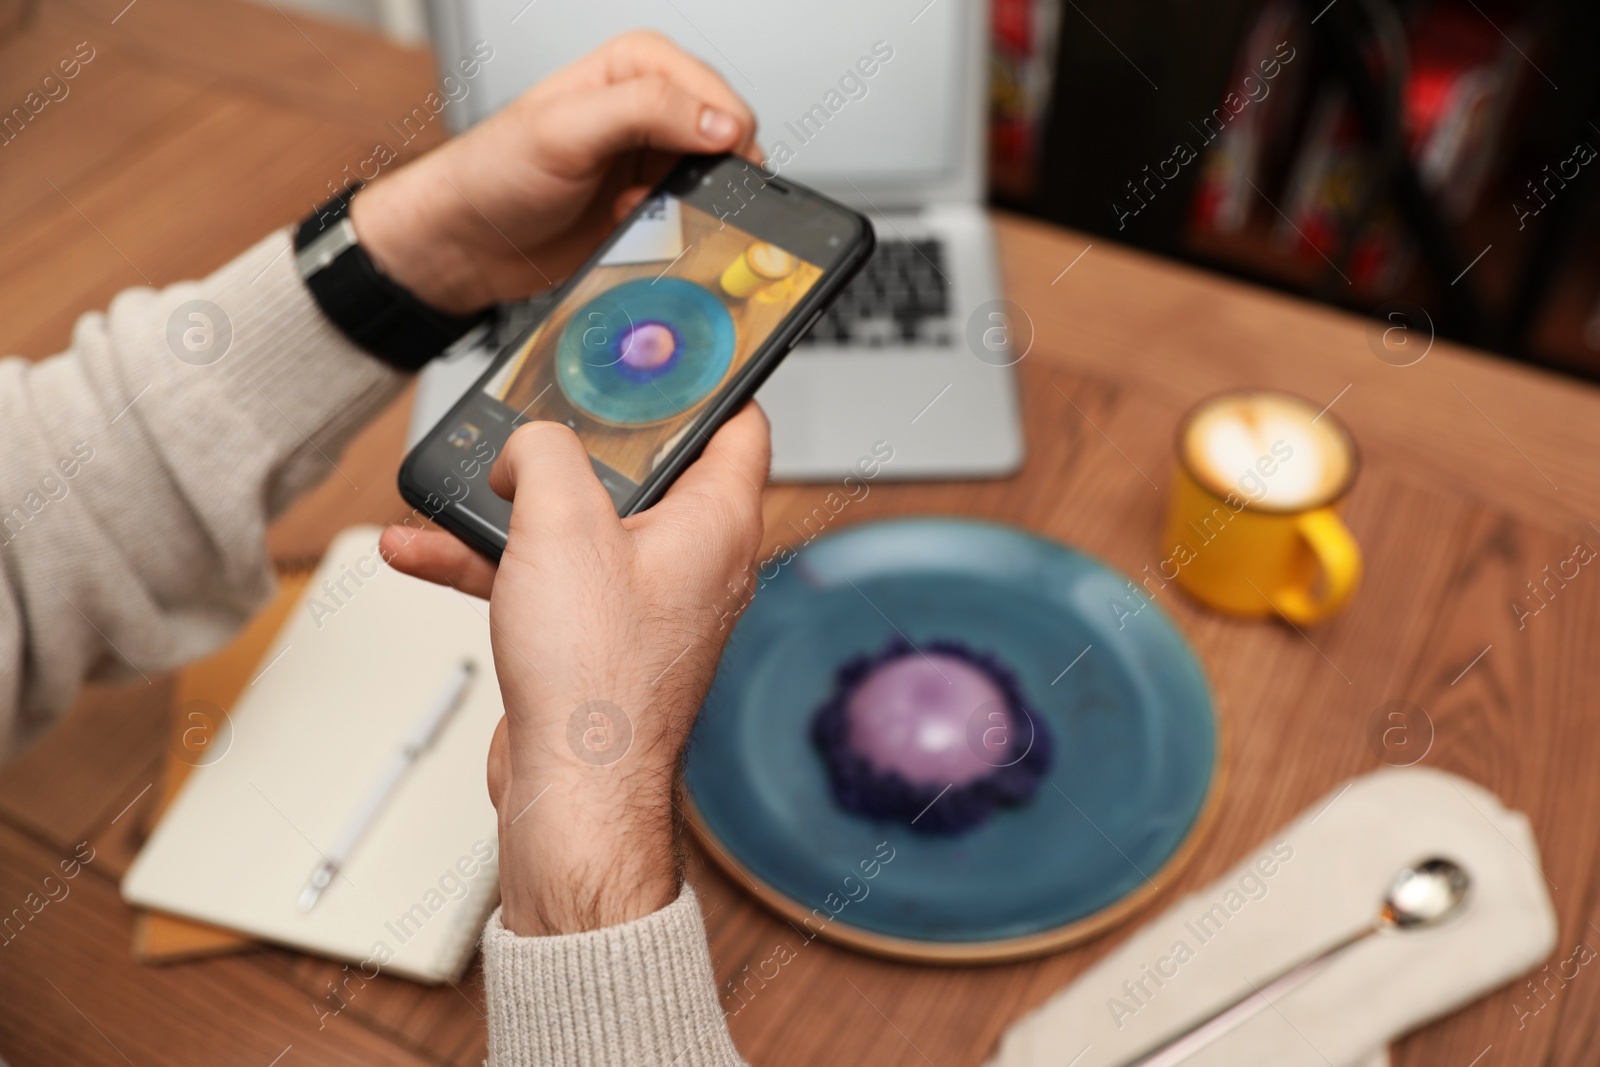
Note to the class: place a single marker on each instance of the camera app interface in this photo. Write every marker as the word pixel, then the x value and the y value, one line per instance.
pixel 629 357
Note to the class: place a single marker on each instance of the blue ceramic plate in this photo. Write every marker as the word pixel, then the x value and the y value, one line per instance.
pixel 645 350
pixel 1132 720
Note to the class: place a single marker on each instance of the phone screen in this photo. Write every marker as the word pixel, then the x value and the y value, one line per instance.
pixel 645 345
pixel 675 307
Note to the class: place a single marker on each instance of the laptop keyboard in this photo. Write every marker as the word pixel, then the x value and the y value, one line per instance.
pixel 901 297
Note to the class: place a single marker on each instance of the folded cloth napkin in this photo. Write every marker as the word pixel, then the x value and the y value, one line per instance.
pixel 1318 879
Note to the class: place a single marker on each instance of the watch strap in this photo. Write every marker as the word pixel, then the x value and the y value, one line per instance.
pixel 374 311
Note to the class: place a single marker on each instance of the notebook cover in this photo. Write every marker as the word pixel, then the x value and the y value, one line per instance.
pixel 342 684
pixel 205 689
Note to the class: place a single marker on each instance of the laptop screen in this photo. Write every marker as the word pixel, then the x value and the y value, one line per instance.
pixel 845 90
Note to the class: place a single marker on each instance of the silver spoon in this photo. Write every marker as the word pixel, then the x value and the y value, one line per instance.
pixel 1422 895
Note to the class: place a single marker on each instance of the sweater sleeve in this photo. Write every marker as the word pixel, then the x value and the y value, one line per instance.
pixel 642 992
pixel 142 465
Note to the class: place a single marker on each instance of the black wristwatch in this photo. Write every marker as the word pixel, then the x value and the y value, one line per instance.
pixel 374 311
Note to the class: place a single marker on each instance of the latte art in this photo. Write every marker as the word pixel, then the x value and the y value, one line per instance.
pixel 1272 450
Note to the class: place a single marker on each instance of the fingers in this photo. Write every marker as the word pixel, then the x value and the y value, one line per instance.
pixel 648 52
pixel 630 197
pixel 644 53
pixel 437 557
pixel 545 472
pixel 637 90
pixel 723 487
pixel 588 128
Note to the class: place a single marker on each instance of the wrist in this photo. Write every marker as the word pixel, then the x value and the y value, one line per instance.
pixel 375 311
pixel 578 855
pixel 396 223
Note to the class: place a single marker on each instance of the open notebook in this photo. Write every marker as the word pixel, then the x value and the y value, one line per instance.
pixel 340 689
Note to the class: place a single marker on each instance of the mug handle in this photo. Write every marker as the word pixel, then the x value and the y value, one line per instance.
pixel 1338 555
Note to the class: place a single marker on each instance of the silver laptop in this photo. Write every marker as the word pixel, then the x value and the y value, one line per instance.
pixel 880 105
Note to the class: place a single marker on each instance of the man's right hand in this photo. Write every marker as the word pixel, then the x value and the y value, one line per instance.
pixel 593 615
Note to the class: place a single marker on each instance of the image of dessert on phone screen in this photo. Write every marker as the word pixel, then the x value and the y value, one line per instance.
pixel 676 306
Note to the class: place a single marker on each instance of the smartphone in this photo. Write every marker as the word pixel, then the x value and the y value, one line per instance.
pixel 656 341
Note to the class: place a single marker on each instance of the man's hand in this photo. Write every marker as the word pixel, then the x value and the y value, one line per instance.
pixel 520 200
pixel 603 629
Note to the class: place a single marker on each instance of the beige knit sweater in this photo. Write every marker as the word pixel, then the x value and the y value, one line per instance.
pixel 135 491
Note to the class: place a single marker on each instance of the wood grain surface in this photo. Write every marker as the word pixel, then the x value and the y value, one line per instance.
pixel 199 126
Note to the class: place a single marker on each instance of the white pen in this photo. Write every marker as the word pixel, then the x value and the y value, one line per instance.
pixel 422 737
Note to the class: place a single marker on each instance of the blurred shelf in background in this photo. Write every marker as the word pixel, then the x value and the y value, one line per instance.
pixel 1366 153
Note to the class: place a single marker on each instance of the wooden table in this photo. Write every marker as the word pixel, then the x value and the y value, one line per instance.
pixel 198 126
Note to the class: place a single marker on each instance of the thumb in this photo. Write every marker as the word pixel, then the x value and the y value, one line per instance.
pixel 545 472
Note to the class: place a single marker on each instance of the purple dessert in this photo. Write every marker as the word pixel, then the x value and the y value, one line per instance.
pixel 647 350
pixel 938 738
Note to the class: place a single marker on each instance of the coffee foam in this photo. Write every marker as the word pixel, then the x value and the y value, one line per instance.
pixel 1269 449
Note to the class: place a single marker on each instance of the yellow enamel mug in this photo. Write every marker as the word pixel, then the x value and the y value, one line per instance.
pixel 759 265
pixel 1253 526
